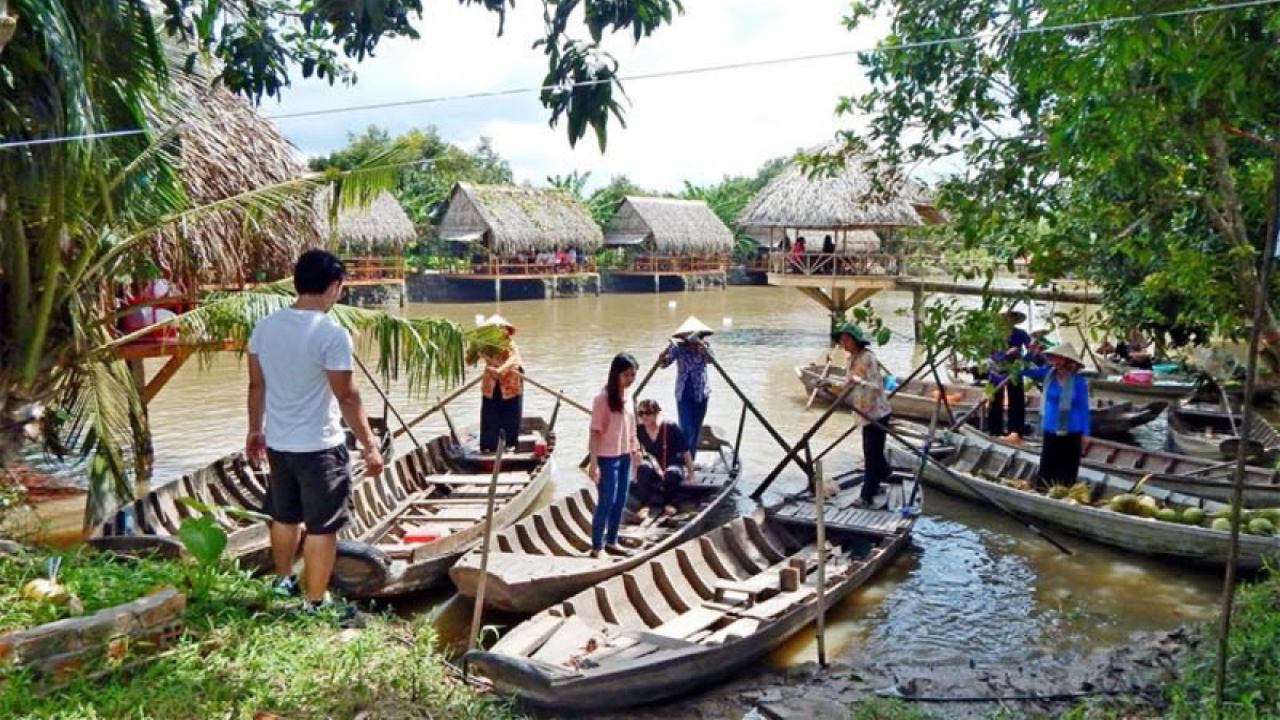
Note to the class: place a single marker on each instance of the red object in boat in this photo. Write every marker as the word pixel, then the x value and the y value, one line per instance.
pixel 421 536
pixel 540 448
pixel 1138 377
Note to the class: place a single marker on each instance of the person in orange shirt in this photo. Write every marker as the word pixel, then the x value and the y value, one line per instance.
pixel 501 390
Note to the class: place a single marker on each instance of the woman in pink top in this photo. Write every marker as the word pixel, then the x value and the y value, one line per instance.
pixel 614 453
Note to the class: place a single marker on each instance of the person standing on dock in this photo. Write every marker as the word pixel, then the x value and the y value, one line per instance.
pixel 667 461
pixel 1005 363
pixel 501 390
pixel 613 454
pixel 871 401
pixel 302 385
pixel 1064 414
pixel 690 352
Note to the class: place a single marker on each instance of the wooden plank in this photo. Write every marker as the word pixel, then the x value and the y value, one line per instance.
pixel 740 628
pixel 688 623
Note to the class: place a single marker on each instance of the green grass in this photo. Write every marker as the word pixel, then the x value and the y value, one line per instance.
pixel 1253 668
pixel 244 652
pixel 887 709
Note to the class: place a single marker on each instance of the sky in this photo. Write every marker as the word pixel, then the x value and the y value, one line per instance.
pixel 697 127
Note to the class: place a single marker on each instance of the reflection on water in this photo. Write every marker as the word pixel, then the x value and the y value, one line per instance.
pixel 976 587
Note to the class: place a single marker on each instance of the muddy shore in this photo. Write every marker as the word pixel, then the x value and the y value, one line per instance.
pixel 1044 687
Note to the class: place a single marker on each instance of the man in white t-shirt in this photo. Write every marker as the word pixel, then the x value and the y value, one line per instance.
pixel 301 383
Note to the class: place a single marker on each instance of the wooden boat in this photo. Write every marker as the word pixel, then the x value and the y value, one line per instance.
pixel 414 521
pixel 691 616
pixel 976 461
pixel 1206 429
pixel 917 398
pixel 543 558
pixel 1186 474
pixel 1163 387
pixel 153 519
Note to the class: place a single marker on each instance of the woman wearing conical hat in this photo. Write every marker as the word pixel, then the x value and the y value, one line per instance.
pixel 872 404
pixel 690 351
pixel 501 390
pixel 1064 414
pixel 1010 395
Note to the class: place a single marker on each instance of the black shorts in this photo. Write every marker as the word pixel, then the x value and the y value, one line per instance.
pixel 312 488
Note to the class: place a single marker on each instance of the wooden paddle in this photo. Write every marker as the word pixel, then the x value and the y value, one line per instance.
pixel 818 385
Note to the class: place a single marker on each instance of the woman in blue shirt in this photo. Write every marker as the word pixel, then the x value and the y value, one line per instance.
pixel 1064 414
pixel 690 352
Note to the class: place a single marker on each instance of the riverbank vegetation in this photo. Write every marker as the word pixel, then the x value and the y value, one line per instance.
pixel 244 653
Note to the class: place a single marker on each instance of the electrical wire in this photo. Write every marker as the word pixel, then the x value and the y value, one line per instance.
pixel 1104 23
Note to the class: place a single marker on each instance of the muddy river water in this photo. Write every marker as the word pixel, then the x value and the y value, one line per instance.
pixel 976 588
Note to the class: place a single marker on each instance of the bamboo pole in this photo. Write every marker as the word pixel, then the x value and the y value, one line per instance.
pixel 386 400
pixel 794 451
pixel 814 395
pixel 478 610
pixel 754 411
pixel 557 394
pixel 440 403
pixel 649 375
pixel 1237 485
pixel 820 498
pixel 843 436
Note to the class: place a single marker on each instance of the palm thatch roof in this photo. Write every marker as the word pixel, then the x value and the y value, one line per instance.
pixel 381 227
pixel 225 148
pixel 510 220
pixel 669 227
pixel 847 200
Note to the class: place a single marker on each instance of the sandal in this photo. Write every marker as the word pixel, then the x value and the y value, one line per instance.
pixel 616 551
pixel 595 553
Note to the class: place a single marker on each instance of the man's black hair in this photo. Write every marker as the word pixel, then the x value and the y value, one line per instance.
pixel 316 270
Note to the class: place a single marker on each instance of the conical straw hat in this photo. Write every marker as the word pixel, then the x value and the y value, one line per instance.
pixel 1066 350
pixel 692 326
pixel 498 320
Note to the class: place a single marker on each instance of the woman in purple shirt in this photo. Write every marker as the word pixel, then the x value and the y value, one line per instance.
pixel 690 352
pixel 1003 362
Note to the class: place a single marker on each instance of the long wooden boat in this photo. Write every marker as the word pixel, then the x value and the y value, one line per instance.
pixel 977 461
pixel 1186 474
pixel 917 399
pixel 153 519
pixel 1163 387
pixel 415 520
pixel 1205 429
pixel 686 618
pixel 543 558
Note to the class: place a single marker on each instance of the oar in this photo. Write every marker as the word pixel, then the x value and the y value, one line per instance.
pixel 1231 417
pixel 965 417
pixel 478 610
pixel 965 482
pixel 794 451
pixel 755 411
pixel 440 403
pixel 818 385
pixel 557 394
pixel 649 375
pixel 404 426
pixel 844 436
pixel 924 450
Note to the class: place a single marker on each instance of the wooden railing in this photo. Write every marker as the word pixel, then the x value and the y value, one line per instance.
pixel 827 264
pixel 373 269
pixel 676 264
pixel 512 266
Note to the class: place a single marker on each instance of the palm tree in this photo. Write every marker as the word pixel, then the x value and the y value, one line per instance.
pixel 76 218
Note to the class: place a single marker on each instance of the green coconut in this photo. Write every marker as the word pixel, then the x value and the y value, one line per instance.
pixel 1059 491
pixel 1147 506
pixel 1261 526
pixel 1193 516
pixel 1167 515
pixel 1124 503
pixel 1221 524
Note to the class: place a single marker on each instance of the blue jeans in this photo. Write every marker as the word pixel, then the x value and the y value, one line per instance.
pixel 692 413
pixel 615 476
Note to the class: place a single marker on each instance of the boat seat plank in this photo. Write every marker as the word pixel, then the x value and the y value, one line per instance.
pixel 525 638
pixel 568 640
pixel 779 603
pixel 740 628
pixel 688 623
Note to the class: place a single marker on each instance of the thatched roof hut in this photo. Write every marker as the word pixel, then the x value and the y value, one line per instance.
pixel 225 148
pixel 667 226
pixel 846 201
pixel 508 219
pixel 379 228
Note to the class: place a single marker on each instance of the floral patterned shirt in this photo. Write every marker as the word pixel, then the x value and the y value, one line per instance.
pixel 869 396
pixel 508 364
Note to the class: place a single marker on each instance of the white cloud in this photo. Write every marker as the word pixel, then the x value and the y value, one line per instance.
pixel 695 127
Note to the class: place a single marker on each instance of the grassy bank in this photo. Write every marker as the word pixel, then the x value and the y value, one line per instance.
pixel 243 654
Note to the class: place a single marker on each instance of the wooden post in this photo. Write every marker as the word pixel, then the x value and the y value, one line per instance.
pixel 820 499
pixel 917 311
pixel 478 610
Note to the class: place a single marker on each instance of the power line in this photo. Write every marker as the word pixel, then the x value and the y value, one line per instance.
pixel 1103 23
